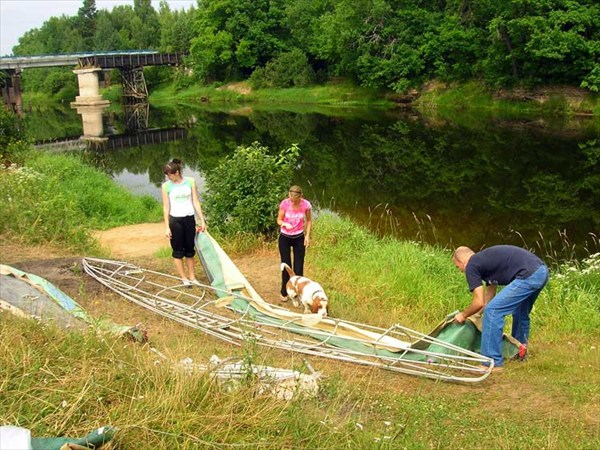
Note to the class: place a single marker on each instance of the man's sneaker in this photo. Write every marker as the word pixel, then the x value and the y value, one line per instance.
pixel 522 354
pixel 187 283
pixel 195 282
pixel 283 298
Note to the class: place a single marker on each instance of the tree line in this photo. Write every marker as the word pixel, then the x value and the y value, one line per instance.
pixel 387 44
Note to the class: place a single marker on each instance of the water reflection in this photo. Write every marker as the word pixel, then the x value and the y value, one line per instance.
pixel 103 130
pixel 448 180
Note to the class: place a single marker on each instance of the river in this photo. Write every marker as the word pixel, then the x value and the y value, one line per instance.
pixel 455 178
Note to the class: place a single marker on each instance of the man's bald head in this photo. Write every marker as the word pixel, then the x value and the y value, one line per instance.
pixel 461 257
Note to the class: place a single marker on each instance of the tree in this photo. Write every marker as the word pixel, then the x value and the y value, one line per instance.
pixel 107 37
pixel 236 36
pixel 244 191
pixel 86 22
pixel 176 28
pixel 544 41
pixel 145 27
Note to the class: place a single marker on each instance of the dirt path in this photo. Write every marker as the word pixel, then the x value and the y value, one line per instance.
pixel 133 241
pixel 137 242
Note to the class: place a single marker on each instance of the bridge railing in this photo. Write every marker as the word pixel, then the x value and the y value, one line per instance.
pixel 135 58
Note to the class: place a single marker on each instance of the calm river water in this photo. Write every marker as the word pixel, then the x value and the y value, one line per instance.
pixel 448 179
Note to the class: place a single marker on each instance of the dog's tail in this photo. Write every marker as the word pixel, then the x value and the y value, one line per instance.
pixel 287 268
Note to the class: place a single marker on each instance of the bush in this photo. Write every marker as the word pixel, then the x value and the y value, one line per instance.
pixel 592 79
pixel 289 69
pixel 243 192
pixel 10 129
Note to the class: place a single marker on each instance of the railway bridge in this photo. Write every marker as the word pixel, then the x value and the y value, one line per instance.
pixel 87 66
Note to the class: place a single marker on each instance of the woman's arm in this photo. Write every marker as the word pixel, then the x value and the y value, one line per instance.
pixel 308 225
pixel 166 212
pixel 282 223
pixel 201 225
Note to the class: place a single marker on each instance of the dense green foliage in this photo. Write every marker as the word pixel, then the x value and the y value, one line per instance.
pixel 125 27
pixel 244 190
pixel 399 44
pixel 287 70
pixel 10 130
pixel 388 44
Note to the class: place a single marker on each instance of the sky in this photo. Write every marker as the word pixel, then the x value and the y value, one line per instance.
pixel 19 16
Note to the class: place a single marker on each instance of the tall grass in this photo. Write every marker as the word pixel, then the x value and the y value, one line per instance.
pixel 195 94
pixel 417 285
pixel 57 198
pixel 60 383
pixel 478 96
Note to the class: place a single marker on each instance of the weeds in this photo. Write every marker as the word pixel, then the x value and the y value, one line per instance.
pixel 57 199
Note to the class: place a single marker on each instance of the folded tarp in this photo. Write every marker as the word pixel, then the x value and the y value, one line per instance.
pixel 27 294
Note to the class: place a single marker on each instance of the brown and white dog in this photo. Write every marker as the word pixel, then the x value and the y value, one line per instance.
pixel 310 292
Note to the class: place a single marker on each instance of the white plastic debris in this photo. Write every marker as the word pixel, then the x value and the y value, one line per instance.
pixel 14 438
pixel 281 383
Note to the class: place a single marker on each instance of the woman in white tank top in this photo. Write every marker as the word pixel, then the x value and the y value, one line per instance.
pixel 181 205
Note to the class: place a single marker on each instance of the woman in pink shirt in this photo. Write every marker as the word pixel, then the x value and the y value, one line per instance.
pixel 294 219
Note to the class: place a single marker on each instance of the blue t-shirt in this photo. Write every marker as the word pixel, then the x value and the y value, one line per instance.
pixel 500 265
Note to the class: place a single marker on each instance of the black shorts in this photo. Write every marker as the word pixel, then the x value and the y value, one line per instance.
pixel 183 235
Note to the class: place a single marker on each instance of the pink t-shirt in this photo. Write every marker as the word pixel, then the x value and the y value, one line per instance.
pixel 294 216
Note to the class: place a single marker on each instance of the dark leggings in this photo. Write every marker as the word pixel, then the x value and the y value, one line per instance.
pixel 183 234
pixel 286 244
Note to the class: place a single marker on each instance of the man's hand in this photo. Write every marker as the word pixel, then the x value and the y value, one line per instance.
pixel 460 318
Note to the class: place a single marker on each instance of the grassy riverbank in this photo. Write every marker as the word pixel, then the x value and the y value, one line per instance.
pixel 555 101
pixel 58 199
pixel 552 101
pixel 549 101
pixel 340 94
pixel 65 383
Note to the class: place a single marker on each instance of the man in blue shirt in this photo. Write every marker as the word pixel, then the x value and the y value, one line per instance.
pixel 524 276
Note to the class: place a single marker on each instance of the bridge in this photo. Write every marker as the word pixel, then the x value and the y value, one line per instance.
pixel 86 66
pixel 117 141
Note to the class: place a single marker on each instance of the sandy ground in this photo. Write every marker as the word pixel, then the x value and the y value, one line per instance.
pixel 142 241
pixel 133 241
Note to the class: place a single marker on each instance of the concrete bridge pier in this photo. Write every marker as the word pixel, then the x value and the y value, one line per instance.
pixel 93 126
pixel 89 88
pixel 11 91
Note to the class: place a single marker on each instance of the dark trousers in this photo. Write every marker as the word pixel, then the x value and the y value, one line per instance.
pixel 286 244
pixel 183 233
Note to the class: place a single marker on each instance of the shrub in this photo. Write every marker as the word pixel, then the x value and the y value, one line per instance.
pixel 10 129
pixel 290 69
pixel 592 79
pixel 244 191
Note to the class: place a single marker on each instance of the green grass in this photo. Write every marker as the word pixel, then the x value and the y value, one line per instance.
pixel 475 95
pixel 418 282
pixel 59 383
pixel 339 94
pixel 342 94
pixel 57 198
pixel 194 94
